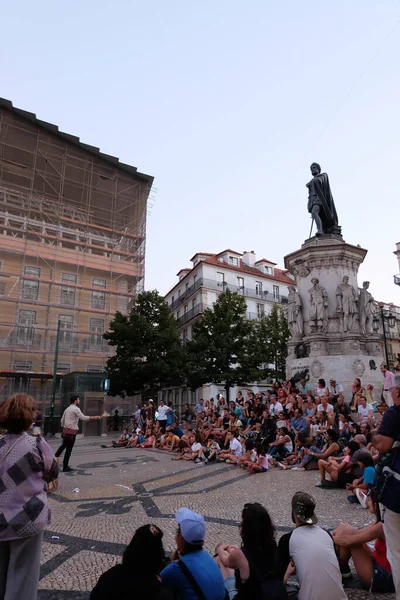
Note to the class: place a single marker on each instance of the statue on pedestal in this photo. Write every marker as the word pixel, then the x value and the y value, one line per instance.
pixel 347 305
pixel 318 307
pixel 366 310
pixel 320 202
pixel 295 317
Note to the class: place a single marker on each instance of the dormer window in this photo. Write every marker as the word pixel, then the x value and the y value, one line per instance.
pixel 268 270
pixel 232 260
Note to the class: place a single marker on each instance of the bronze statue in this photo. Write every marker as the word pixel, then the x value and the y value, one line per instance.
pixel 321 204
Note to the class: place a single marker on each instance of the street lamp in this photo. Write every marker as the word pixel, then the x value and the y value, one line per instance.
pixel 391 320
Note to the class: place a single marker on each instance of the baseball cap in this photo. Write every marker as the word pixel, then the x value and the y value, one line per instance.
pixel 192 525
pixel 303 506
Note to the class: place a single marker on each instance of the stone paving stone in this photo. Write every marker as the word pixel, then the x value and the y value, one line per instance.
pixel 79 573
pixel 49 551
pixel 95 525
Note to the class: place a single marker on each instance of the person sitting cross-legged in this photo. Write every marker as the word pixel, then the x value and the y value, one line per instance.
pixel 260 465
pixel 309 551
pixel 283 444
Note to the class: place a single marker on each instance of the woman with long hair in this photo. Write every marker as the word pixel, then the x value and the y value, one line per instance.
pixel 333 466
pixel 137 576
pixel 253 570
pixel 27 465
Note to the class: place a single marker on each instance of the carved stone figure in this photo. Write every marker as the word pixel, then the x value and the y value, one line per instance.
pixel 366 309
pixel 347 308
pixel 318 307
pixel 294 314
pixel 320 202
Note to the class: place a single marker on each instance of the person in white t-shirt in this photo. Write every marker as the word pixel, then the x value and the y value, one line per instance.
pixel 196 449
pixel 235 447
pixel 162 411
pixel 324 406
pixel 365 411
pixel 309 551
pixel 275 407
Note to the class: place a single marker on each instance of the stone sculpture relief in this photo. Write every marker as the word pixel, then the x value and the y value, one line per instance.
pixel 366 310
pixel 294 313
pixel 346 297
pixel 358 368
pixel 318 307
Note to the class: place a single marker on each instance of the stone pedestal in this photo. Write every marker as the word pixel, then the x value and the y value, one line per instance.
pixel 334 345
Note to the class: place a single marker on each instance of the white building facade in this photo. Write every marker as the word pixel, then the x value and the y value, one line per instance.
pixel 260 282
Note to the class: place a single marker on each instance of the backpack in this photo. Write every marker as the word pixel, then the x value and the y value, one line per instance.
pixel 387 475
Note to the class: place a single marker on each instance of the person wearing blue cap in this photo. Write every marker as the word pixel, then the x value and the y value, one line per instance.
pixel 193 574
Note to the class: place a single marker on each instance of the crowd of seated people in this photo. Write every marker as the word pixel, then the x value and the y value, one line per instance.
pixel 291 427
pixel 308 563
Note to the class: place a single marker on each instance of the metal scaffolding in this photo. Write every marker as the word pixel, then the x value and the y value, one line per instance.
pixel 72 248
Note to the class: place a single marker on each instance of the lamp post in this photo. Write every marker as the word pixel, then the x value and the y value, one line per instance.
pixel 54 386
pixel 385 316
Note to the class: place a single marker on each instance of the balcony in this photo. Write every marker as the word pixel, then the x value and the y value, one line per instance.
pixel 95 343
pixel 67 298
pixel 223 286
pixel 196 310
pixel 25 338
pixel 67 341
pixel 396 279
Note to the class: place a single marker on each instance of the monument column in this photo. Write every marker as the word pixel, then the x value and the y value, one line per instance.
pixel 335 338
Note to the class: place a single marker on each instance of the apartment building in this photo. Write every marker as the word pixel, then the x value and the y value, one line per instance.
pixel 260 282
pixel 72 250
pixel 397 254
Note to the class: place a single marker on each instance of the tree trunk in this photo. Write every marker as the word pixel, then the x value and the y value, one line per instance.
pixel 227 388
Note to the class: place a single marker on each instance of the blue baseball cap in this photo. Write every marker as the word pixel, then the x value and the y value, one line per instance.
pixel 192 525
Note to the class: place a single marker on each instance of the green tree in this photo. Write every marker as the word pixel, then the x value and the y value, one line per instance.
pixel 273 336
pixel 222 349
pixel 149 352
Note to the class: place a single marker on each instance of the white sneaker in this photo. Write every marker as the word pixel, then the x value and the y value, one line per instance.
pixel 298 469
pixel 362 498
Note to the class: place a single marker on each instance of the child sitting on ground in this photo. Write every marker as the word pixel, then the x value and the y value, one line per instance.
pixel 261 464
pixel 360 486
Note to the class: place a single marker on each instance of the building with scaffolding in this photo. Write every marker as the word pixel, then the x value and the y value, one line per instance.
pixel 72 250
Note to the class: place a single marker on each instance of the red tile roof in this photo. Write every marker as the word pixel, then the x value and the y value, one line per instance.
pixel 265 260
pixel 279 274
pixel 228 250
pixel 202 254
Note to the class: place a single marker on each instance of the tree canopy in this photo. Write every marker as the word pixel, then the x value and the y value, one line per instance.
pixel 225 346
pixel 149 352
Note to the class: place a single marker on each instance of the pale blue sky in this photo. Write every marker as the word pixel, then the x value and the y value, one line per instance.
pixel 226 103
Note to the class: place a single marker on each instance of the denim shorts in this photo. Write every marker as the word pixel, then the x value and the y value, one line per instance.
pixel 230 586
pixel 382 580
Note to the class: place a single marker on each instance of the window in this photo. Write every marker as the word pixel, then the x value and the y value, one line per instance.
pixel 185 309
pixel 179 293
pixel 220 279
pixel 66 328
pixel 172 299
pixel 20 365
pixel 96 338
pixel 194 303
pixel 184 336
pixel 232 260
pixel 99 298
pixel 194 279
pixel 94 369
pixel 26 326
pixel 276 292
pixel 63 367
pixel 178 314
pixel 258 288
pixel 2 288
pixel 269 270
pixel 67 293
pixel 260 310
pixel 240 283
pixel 187 285
pixel 30 288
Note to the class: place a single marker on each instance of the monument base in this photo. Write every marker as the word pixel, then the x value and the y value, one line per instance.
pixel 343 368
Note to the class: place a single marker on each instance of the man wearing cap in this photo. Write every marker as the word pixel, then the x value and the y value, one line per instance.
pixel 312 552
pixel 193 574
pixel 388 440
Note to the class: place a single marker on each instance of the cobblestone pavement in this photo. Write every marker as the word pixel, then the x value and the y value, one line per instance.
pixel 122 489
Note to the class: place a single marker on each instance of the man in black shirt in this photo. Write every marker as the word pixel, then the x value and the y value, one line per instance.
pixel 388 440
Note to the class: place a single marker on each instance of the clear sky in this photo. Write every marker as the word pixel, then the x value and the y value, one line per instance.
pixel 226 103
